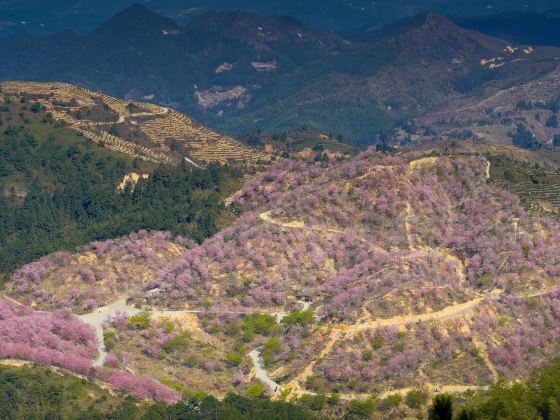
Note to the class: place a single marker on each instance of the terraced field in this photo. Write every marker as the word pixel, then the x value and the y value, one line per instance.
pixel 142 130
pixel 537 186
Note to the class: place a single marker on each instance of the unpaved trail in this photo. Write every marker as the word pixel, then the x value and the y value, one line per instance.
pixel 308 371
pixel 453 311
pixel 191 162
pixel 11 299
pixel 163 111
pixel 340 331
pixel 122 118
pixel 296 224
pixel 435 389
pixel 96 318
pixel 260 371
pixel 299 224
pixel 540 292
pixel 483 351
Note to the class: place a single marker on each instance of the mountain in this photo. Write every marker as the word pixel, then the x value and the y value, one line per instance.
pixel 240 73
pixel 520 28
pixel 525 114
pixel 37 17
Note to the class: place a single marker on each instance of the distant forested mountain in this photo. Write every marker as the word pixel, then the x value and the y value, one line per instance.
pixel 240 73
pixel 40 17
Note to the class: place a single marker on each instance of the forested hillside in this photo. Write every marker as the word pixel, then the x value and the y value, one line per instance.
pixel 59 190
pixel 370 229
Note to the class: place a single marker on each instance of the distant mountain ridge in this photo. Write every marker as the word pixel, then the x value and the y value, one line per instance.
pixel 523 28
pixel 239 73
pixel 40 17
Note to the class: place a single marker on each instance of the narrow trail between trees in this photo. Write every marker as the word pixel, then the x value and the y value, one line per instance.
pixel 97 318
pixel 454 311
pixel 296 224
pixel 483 351
pixel 299 224
pixel 261 373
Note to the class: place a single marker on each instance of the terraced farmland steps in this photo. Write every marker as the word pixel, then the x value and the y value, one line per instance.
pixel 155 127
pixel 538 188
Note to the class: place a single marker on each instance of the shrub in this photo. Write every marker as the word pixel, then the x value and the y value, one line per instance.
pixel 333 399
pixel 510 175
pixel 363 408
pixel 177 341
pixel 142 387
pixel 140 321
pixel 256 390
pixel 415 399
pixel 442 407
pixel 260 324
pixel 234 358
pixel 313 402
pixel 315 383
pixel 271 348
pixel 109 340
pixel 393 400
pixel 36 107
pixel 305 317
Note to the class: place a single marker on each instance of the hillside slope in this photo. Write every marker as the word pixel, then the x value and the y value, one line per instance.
pixel 420 273
pixel 59 189
pixel 525 114
pixel 150 132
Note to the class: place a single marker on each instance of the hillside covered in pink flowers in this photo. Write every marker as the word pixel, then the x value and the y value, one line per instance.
pixel 366 276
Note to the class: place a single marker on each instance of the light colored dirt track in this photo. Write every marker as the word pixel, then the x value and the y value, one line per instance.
pixel 453 311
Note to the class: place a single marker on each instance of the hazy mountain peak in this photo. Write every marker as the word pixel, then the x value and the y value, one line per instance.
pixel 432 22
pixel 432 36
pixel 137 18
pixel 255 29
